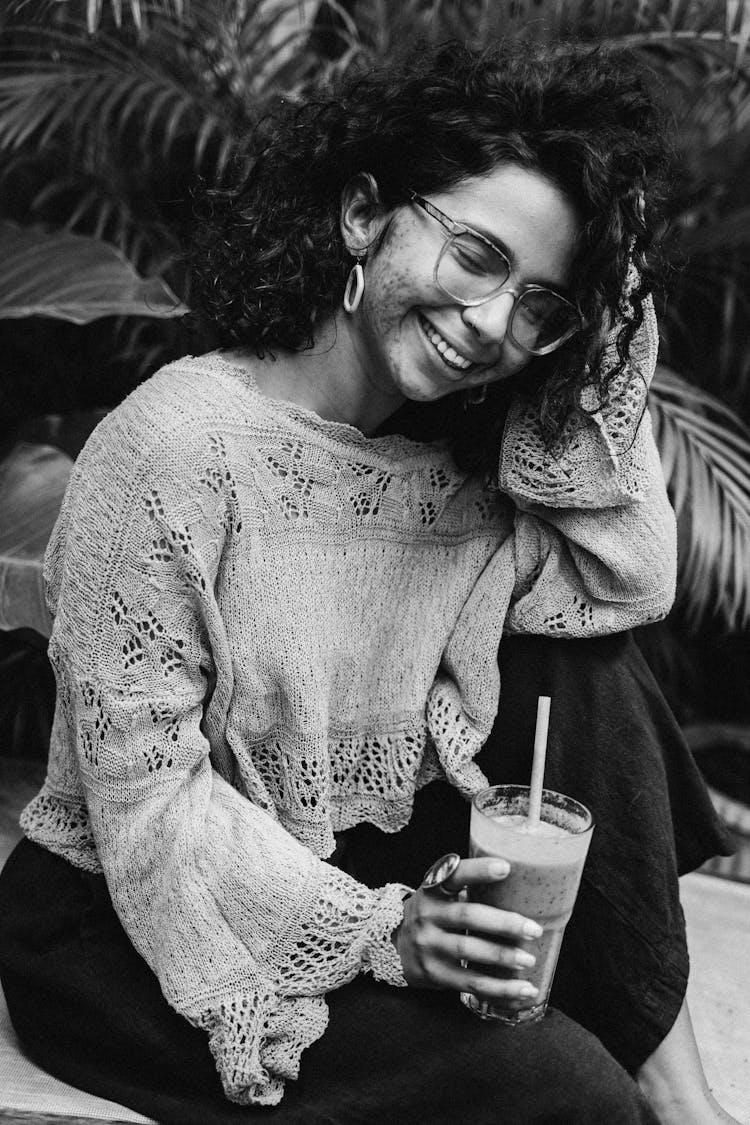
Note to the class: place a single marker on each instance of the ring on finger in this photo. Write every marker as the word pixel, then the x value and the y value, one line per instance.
pixel 437 875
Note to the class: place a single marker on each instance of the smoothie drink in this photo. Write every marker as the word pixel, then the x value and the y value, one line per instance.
pixel 545 870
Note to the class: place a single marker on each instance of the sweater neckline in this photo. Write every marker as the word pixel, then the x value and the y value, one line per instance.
pixel 341 432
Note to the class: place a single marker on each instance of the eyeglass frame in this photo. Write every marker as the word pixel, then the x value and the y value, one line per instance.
pixel 456 228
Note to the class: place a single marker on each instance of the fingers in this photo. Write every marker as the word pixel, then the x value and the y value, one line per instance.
pixel 477 951
pixel 466 946
pixel 466 963
pixel 479 917
pixel 475 872
pixel 503 925
pixel 500 982
pixel 511 992
pixel 489 970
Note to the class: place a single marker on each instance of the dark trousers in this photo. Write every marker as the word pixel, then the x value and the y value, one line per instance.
pixel 89 1010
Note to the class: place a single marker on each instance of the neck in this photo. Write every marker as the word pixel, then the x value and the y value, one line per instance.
pixel 332 379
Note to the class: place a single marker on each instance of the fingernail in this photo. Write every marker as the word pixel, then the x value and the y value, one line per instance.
pixel 528 990
pixel 532 930
pixel 499 867
pixel 525 960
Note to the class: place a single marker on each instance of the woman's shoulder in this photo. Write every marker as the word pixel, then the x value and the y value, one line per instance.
pixel 166 453
pixel 175 413
pixel 186 393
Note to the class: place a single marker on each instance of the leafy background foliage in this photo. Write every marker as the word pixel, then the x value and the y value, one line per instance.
pixel 110 108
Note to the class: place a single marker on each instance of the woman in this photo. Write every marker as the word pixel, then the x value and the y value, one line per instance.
pixel 280 578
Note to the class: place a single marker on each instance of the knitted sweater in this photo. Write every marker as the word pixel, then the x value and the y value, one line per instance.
pixel 269 628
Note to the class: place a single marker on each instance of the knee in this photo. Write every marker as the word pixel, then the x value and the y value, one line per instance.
pixel 585 1083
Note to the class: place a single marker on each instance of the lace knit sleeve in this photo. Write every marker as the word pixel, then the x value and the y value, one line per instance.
pixel 245 928
pixel 593 552
pixel 594 532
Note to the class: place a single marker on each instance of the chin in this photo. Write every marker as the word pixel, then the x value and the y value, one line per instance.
pixel 419 386
pixel 427 394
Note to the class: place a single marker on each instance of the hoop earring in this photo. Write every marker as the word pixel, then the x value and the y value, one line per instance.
pixel 475 396
pixel 355 286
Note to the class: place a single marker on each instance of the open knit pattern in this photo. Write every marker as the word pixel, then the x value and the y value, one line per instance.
pixel 269 628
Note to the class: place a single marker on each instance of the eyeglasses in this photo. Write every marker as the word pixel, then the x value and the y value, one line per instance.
pixel 471 270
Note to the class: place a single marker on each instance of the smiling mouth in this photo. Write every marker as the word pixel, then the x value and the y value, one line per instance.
pixel 450 357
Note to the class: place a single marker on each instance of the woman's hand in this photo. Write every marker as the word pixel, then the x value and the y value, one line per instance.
pixel 432 941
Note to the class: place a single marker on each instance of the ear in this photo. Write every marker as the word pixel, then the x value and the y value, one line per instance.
pixel 362 213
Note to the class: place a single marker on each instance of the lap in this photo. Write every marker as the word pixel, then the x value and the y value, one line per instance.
pixel 615 745
pixel 89 1010
pixel 429 1059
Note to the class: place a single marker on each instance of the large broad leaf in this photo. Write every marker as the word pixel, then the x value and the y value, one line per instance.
pixel 705 452
pixel 71 277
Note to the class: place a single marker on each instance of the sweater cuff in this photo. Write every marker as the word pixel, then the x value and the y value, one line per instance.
pixel 380 956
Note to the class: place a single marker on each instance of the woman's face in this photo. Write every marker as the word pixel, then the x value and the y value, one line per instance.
pixel 412 340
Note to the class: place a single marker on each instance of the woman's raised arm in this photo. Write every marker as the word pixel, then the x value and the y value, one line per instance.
pixel 595 534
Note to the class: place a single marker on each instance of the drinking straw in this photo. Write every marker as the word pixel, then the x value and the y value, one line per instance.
pixel 540 754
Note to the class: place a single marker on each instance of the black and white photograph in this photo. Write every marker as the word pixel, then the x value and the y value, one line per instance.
pixel 375 562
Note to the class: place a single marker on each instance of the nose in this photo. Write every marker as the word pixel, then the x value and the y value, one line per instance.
pixel 490 320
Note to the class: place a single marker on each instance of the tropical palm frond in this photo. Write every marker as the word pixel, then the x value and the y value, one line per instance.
pixel 716 28
pixel 117 133
pixel 705 452
pixel 91 92
pixel 137 10
pixel 192 84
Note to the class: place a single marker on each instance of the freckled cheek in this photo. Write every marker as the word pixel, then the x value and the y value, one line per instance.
pixel 389 298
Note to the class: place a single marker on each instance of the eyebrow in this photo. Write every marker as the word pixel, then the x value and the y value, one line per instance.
pixel 557 286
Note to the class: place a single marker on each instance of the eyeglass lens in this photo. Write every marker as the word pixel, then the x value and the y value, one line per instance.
pixel 470 270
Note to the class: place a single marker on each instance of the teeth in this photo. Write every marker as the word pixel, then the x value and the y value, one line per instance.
pixel 449 353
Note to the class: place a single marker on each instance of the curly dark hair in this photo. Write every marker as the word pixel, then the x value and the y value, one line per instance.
pixel 268 260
